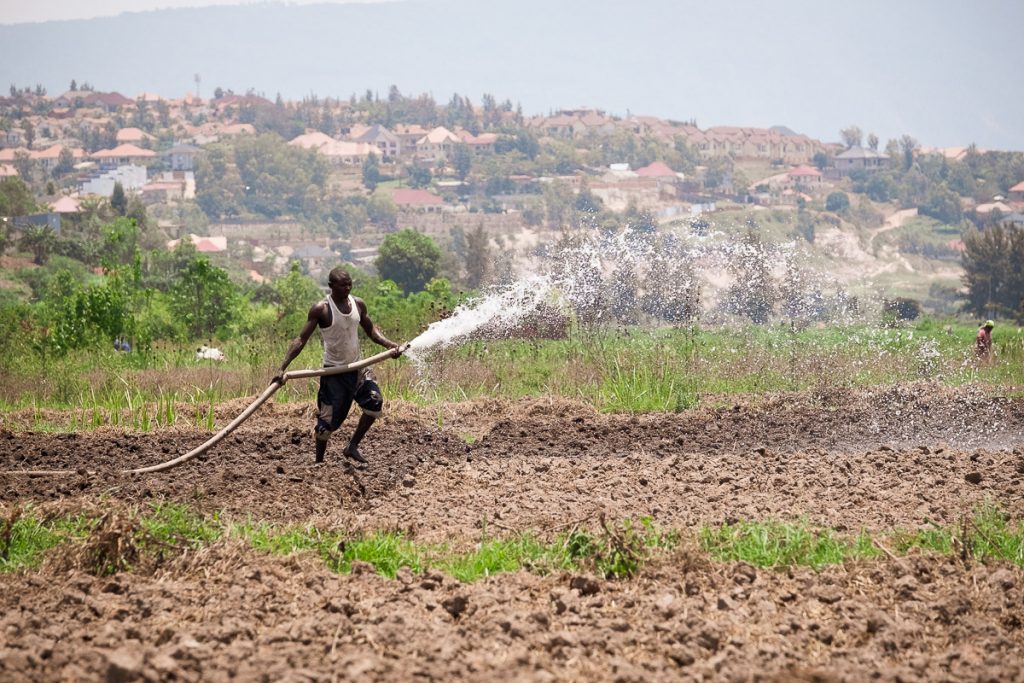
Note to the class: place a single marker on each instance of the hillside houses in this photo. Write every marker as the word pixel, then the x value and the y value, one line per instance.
pixel 751 143
pixel 389 144
pixel 122 155
pixel 152 146
pixel 719 141
pixel 435 145
pixel 859 159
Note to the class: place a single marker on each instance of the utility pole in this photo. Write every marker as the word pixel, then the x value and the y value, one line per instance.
pixel 197 79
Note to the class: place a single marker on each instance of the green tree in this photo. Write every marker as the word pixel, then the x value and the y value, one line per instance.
pixel 65 162
pixel 219 187
pixel 118 200
pixel 753 292
pixel 639 220
pixel 260 174
pixel 120 245
pixel 901 308
pixel 16 198
pixel 295 293
pixel 852 136
pixel 586 201
pixel 993 262
pixel 462 161
pixel 408 258
pixel 204 298
pixel 371 173
pixel 382 211
pixel 478 258
pixel 24 166
pixel 39 240
pixel 908 146
pixel 718 172
pixel 558 201
pixel 671 287
pixel 943 205
pixel 419 176
pixel 837 201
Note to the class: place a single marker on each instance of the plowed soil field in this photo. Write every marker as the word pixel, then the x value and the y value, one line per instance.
pixel 894 458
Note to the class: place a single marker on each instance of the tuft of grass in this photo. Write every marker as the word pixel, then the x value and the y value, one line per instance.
pixel 176 527
pixel 25 538
pixel 282 541
pixel 779 544
pixel 495 556
pixel 994 537
pixel 386 551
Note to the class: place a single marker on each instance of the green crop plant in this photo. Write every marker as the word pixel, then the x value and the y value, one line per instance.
pixel 25 537
pixel 494 556
pixel 779 544
pixel 386 551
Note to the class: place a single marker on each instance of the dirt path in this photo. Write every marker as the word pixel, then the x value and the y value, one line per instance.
pixel 893 221
pixel 898 457
pixel 892 253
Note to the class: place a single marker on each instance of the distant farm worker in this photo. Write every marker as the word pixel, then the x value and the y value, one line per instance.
pixel 338 317
pixel 983 342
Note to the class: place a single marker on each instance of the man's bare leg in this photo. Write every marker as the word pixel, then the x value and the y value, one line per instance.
pixel 352 450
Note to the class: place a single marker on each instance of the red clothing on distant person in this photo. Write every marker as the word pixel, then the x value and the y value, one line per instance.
pixel 983 343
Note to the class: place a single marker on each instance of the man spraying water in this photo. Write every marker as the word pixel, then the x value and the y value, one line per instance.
pixel 338 317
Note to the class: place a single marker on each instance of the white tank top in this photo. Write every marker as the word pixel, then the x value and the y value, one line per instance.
pixel 341 337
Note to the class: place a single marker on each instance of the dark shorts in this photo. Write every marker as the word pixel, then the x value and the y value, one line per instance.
pixel 336 394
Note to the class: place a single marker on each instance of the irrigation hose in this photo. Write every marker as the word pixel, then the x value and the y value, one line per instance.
pixel 242 417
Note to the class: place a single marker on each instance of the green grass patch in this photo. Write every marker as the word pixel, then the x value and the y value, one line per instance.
pixel 781 544
pixel 25 537
pixel 988 535
pixel 386 551
pixel 122 540
pixel 172 525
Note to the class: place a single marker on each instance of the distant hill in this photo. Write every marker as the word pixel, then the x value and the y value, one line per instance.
pixel 738 64
pixel 442 47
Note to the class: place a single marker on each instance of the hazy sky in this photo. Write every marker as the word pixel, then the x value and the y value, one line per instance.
pixel 21 11
pixel 946 72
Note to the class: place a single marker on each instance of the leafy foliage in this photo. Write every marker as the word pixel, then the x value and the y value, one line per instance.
pixel 260 175
pixel 16 198
pixel 993 264
pixel 837 201
pixel 203 298
pixel 409 258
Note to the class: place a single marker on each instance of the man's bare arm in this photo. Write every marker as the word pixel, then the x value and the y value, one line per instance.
pixel 371 330
pixel 299 343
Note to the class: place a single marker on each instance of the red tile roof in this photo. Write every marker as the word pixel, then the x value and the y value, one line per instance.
pixel 125 150
pixel 656 170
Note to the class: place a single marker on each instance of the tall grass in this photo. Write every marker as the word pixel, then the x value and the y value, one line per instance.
pixel 620 370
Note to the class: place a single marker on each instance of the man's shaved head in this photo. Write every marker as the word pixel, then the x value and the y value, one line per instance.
pixel 339 275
